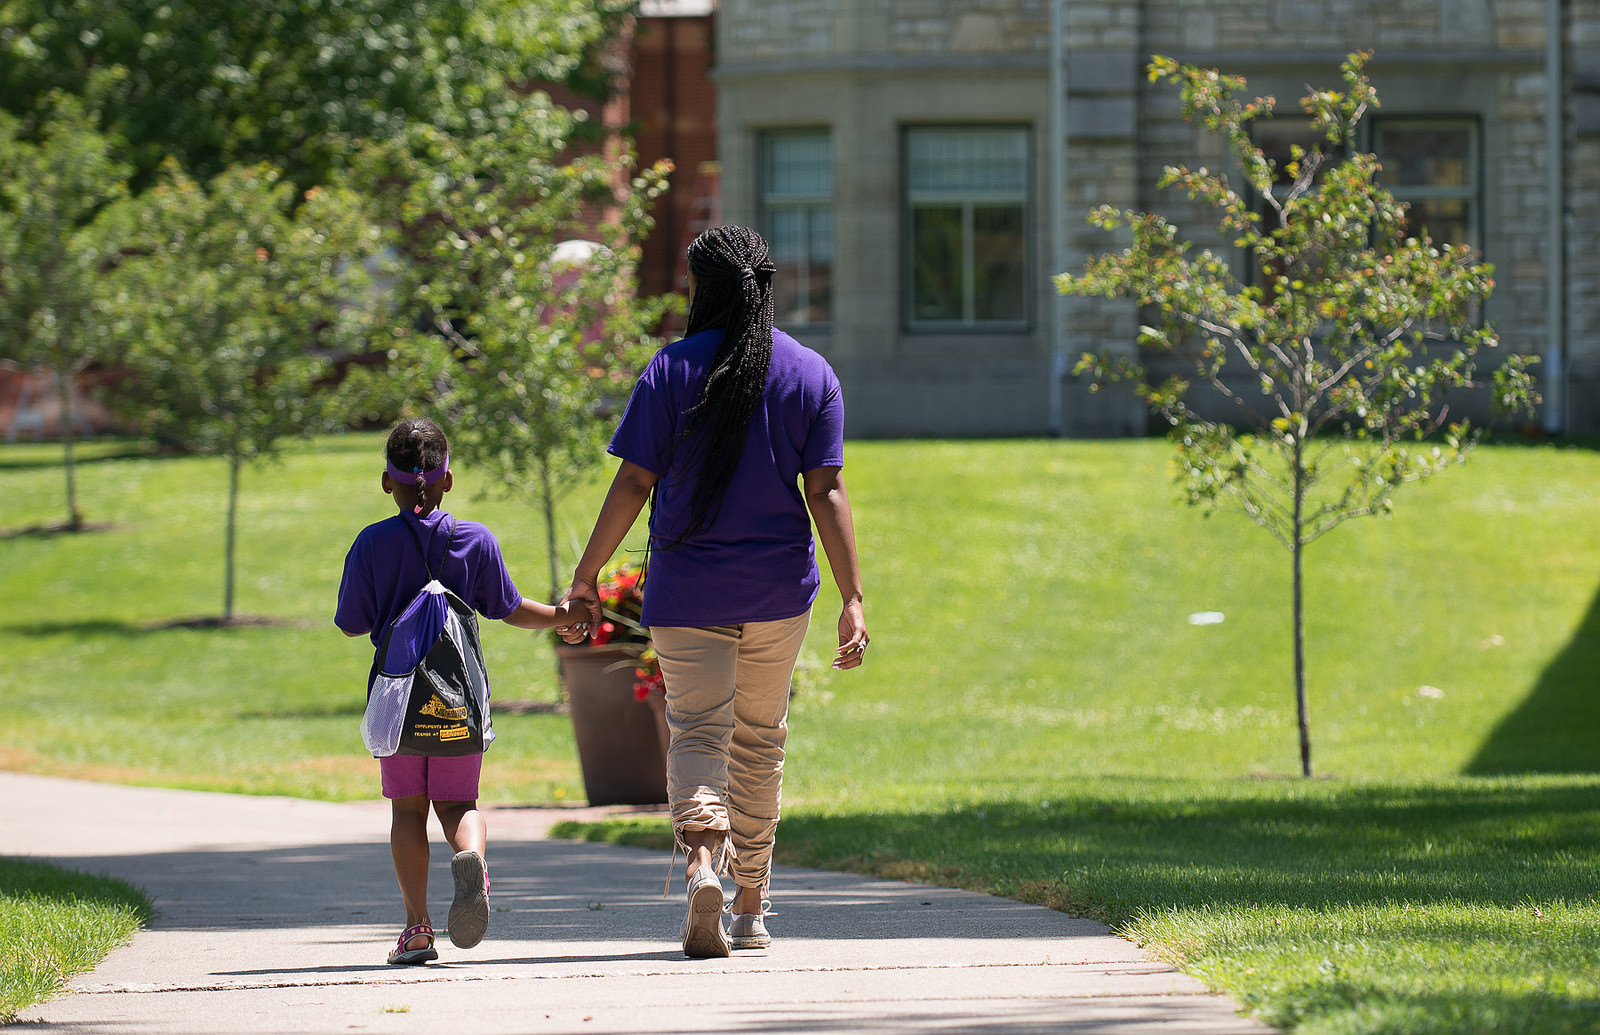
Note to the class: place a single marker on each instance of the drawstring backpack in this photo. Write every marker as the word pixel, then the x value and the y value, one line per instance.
pixel 429 691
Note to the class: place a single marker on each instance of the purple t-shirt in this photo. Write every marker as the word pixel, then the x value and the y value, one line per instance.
pixel 756 562
pixel 384 570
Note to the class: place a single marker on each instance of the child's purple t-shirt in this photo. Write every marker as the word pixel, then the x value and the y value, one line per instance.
pixel 756 562
pixel 384 570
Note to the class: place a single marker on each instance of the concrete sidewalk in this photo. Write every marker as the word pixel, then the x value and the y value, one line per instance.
pixel 274 915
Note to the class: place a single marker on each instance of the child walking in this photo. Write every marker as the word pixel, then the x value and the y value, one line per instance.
pixel 383 571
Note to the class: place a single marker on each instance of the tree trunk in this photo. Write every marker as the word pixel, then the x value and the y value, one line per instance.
pixel 233 514
pixel 69 448
pixel 547 501
pixel 1300 663
pixel 1297 550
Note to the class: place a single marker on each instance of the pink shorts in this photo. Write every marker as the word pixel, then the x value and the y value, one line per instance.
pixel 441 779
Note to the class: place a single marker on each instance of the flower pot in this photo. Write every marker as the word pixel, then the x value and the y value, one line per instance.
pixel 620 738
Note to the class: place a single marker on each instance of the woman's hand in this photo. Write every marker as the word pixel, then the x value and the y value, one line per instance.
pixel 830 509
pixel 853 638
pixel 583 598
pixel 577 632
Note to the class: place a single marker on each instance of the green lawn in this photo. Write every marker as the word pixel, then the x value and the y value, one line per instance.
pixel 1038 717
pixel 142 691
pixel 54 924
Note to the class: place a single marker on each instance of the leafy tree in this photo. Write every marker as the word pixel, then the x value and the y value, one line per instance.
pixel 231 309
pixel 54 194
pixel 1353 333
pixel 531 327
pixel 214 83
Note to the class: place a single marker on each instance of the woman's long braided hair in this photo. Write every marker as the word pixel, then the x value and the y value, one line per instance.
pixel 733 290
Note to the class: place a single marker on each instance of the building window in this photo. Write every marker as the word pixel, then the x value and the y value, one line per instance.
pixel 966 199
pixel 797 221
pixel 1432 165
pixel 1278 140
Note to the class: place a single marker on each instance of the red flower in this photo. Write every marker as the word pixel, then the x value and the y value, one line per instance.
pixel 650 682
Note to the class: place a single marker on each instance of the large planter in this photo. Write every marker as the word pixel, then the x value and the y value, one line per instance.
pixel 621 740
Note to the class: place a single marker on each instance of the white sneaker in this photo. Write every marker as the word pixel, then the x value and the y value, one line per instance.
pixel 703 936
pixel 748 931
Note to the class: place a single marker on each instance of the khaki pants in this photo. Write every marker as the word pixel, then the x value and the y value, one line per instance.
pixel 728 710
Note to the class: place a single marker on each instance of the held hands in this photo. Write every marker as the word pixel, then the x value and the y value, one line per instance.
pixel 853 637
pixel 582 610
pixel 572 621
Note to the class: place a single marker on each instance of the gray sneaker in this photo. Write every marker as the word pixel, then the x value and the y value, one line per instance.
pixel 748 931
pixel 703 936
pixel 469 913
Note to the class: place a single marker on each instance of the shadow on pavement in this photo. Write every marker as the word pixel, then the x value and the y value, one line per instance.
pixel 469 966
pixel 543 890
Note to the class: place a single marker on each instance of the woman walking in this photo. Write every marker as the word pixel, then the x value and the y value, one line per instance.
pixel 734 435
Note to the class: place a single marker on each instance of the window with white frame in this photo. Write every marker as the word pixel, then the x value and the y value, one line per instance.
pixel 1432 165
pixel 797 221
pixel 966 243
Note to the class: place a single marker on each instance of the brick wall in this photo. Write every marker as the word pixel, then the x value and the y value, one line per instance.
pixel 673 109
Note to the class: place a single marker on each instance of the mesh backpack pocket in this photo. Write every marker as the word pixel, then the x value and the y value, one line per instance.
pixel 429 693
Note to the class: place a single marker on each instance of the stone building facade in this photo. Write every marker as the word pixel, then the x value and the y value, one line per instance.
pixel 907 161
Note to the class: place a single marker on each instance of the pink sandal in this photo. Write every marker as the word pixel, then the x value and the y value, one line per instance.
pixel 403 955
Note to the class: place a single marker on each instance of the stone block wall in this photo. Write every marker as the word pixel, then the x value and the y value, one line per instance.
pixel 756 30
pixel 1105 25
pixel 1518 248
pixel 1278 25
pixel 884 63
pixel 1445 58
pixel 961 26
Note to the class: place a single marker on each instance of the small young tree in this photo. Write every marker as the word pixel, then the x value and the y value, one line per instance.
pixel 530 330
pixel 229 309
pixel 1345 398
pixel 55 191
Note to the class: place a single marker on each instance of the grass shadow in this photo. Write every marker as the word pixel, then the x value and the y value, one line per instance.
pixel 1555 728
pixel 30 878
pixel 51 531
pixel 1533 438
pixel 1487 842
pixel 531 707
pixel 352 709
pixel 1417 893
pixel 83 627
pixel 112 627
pixel 236 622
pixel 43 462
pixel 58 923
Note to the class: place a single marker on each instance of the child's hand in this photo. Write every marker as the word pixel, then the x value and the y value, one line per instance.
pixel 572 621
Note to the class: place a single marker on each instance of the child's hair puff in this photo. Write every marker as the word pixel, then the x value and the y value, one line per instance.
pixel 416 443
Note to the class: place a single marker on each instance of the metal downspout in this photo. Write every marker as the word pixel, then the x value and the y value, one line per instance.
pixel 1555 377
pixel 1058 208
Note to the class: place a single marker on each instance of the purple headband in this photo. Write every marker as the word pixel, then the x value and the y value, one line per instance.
pixel 419 477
